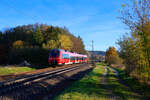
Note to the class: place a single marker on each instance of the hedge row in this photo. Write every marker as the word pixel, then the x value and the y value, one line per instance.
pixel 36 56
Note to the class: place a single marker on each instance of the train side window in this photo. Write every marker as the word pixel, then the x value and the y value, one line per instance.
pixel 72 58
pixel 68 56
pixel 65 56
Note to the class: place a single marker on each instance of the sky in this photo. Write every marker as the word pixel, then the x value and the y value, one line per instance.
pixel 90 19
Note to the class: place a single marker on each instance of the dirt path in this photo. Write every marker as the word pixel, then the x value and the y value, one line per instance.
pixel 114 89
pixel 104 81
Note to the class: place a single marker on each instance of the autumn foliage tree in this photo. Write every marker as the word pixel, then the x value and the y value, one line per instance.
pixel 112 56
pixel 65 42
pixel 135 47
pixel 22 39
pixel 18 44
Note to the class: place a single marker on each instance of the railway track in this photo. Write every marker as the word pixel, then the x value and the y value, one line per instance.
pixel 11 85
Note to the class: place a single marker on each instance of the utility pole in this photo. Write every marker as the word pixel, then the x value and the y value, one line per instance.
pixel 93 63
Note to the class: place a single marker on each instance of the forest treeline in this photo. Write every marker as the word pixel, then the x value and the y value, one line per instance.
pixel 134 47
pixel 33 42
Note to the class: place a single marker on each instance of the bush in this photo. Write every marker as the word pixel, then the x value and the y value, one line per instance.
pixel 115 60
pixel 112 56
pixel 18 44
pixel 3 54
pixel 36 56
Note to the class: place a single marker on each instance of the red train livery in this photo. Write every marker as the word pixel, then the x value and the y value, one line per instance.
pixel 60 56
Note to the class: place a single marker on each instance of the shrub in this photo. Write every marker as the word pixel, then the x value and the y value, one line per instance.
pixel 18 44
pixel 3 54
pixel 36 56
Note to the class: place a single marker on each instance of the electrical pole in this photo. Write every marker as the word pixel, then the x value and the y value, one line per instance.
pixel 93 63
pixel 92 49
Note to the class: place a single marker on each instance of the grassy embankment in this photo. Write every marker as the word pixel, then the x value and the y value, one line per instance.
pixel 121 91
pixel 134 84
pixel 14 70
pixel 91 87
pixel 86 88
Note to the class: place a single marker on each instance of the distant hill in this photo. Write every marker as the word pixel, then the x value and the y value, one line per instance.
pixel 101 53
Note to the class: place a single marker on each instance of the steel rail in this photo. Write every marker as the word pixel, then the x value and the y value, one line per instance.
pixel 16 83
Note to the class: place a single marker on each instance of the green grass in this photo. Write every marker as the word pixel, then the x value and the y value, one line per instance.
pixel 134 84
pixel 120 90
pixel 12 70
pixel 88 88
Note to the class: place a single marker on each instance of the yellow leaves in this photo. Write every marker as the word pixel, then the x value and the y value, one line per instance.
pixel 111 51
pixel 146 27
pixel 65 42
pixel 52 44
pixel 123 5
pixel 135 48
pixel 112 56
pixel 120 9
pixel 18 44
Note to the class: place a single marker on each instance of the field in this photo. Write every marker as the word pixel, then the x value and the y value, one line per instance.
pixel 14 70
pixel 97 86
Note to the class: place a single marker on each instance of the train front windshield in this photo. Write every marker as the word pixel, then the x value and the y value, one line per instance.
pixel 54 53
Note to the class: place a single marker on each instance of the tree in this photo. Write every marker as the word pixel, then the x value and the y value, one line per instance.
pixel 38 37
pixel 135 48
pixel 65 42
pixel 51 44
pixel 78 45
pixel 18 44
pixel 112 56
pixel 51 33
pixel 135 14
pixel 137 17
pixel 3 54
pixel 81 45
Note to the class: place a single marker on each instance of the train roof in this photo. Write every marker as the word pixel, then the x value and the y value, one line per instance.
pixel 71 53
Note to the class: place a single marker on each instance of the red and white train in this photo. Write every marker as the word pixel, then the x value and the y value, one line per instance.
pixel 60 56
